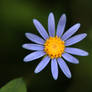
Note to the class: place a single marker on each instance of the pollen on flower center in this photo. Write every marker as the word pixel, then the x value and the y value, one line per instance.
pixel 54 47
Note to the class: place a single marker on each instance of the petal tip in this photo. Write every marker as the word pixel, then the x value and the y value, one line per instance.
pixel 35 71
pixel 77 61
pixel 78 24
pixel 55 78
pixel 51 14
pixel 23 46
pixel 25 60
pixel 86 54
pixel 85 34
pixel 70 76
pixel 34 20
pixel 26 34
pixel 64 15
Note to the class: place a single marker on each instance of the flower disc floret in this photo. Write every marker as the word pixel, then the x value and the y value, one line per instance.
pixel 54 47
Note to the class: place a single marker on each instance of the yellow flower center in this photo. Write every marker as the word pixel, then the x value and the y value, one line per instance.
pixel 54 47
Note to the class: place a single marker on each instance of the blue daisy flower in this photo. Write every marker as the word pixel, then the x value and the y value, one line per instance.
pixel 54 46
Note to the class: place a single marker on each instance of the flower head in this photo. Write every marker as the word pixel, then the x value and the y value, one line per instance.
pixel 54 46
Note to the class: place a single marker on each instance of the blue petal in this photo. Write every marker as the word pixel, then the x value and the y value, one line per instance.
pixel 61 25
pixel 29 46
pixel 70 58
pixel 34 55
pixel 51 25
pixel 76 51
pixel 75 39
pixel 71 31
pixel 34 38
pixel 64 67
pixel 42 64
pixel 54 69
pixel 40 29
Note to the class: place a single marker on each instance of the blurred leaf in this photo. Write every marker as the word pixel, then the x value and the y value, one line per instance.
pixel 16 85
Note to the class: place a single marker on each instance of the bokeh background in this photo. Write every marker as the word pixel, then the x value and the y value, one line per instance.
pixel 16 19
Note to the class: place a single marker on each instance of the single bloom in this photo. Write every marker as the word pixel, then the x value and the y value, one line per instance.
pixel 54 46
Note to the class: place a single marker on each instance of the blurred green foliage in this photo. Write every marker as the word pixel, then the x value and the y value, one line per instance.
pixel 16 19
pixel 16 85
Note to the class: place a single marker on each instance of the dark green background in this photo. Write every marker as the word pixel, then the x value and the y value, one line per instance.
pixel 16 19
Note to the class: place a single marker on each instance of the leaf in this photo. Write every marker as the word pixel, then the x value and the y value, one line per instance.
pixel 16 85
